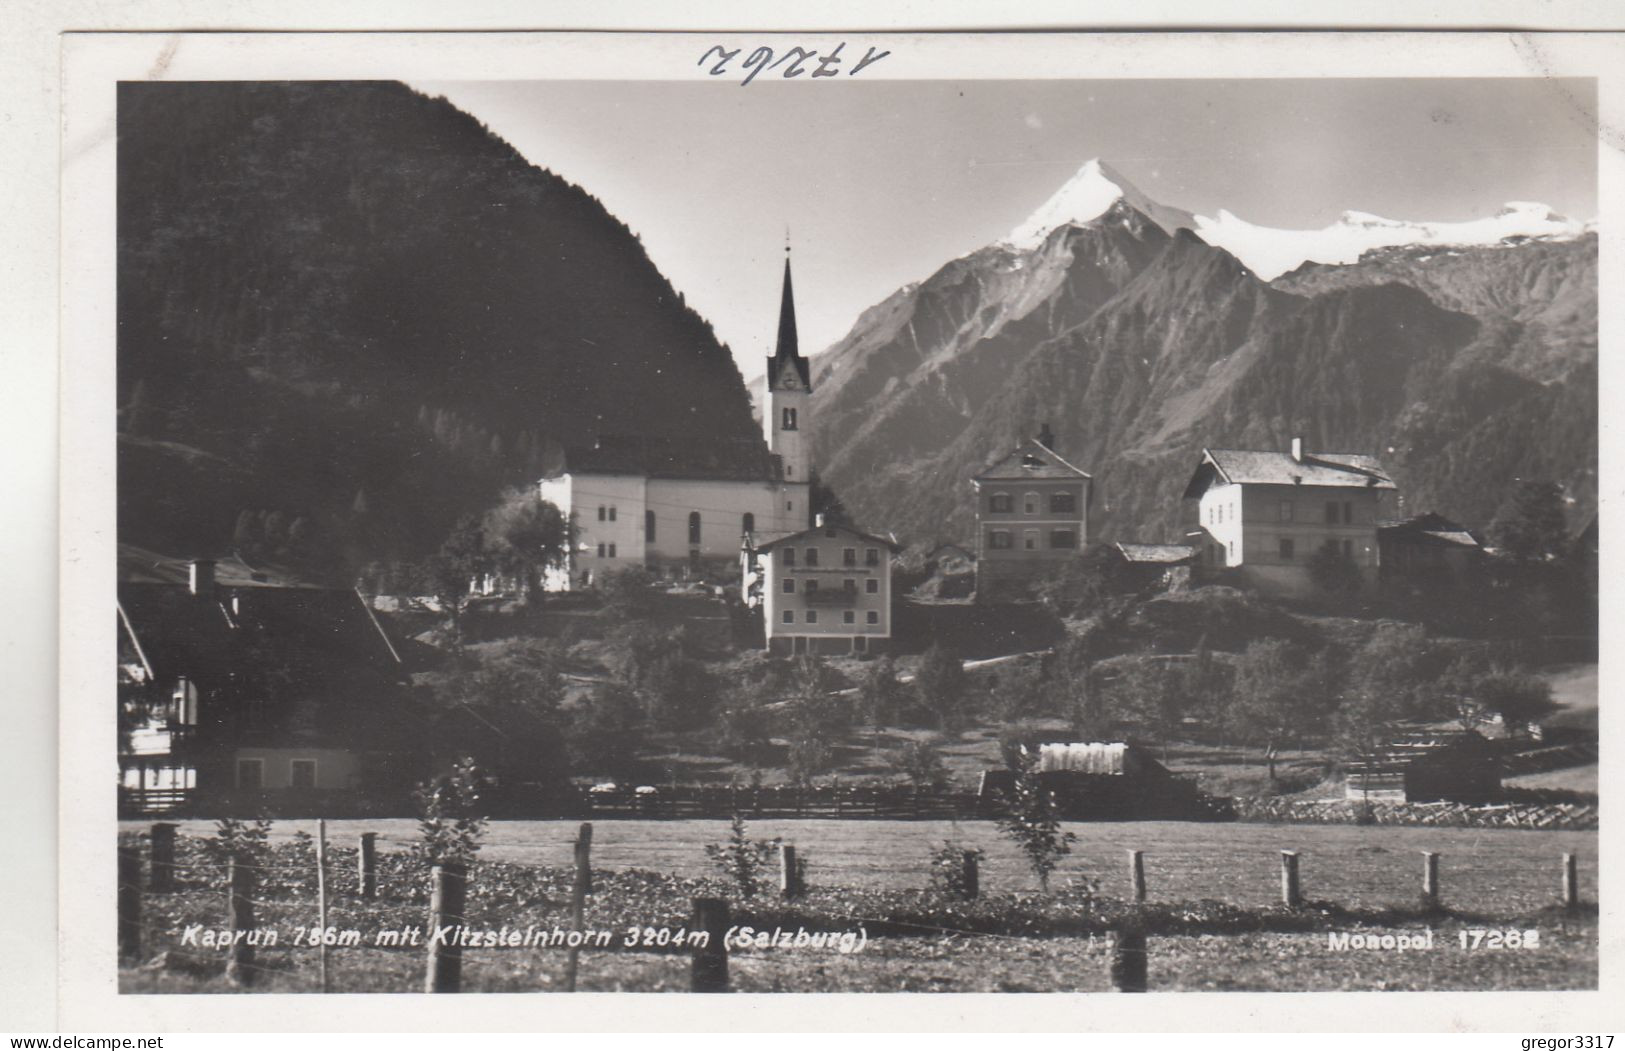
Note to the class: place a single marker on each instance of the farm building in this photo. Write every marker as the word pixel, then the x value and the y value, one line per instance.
pixel 1105 781
pixel 256 694
pixel 1163 566
pixel 1428 766
pixel 1426 549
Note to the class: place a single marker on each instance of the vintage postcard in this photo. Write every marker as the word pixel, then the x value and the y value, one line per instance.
pixel 836 514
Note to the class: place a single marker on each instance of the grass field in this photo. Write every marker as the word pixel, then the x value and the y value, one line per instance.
pixel 1490 871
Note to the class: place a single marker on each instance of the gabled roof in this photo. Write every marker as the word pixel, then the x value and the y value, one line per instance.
pixel 1030 459
pixel 1252 467
pixel 1430 528
pixel 817 532
pixel 1167 554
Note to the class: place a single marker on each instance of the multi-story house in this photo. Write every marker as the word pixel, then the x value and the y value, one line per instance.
pixel 1265 515
pixel 1032 513
pixel 824 590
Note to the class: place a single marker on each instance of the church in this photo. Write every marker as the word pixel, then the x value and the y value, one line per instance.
pixel 683 512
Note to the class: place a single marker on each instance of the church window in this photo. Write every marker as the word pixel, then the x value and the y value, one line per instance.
pixel 1000 503
pixel 694 527
pixel 748 523
pixel 789 420
pixel 649 526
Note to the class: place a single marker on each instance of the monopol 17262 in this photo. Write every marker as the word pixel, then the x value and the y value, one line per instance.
pixel 1482 938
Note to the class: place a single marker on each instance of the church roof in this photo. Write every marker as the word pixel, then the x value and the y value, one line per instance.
pixel 738 460
pixel 1031 459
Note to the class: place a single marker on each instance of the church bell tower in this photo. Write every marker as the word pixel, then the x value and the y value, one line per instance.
pixel 785 399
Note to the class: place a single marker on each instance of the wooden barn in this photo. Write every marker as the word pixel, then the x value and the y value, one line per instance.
pixel 1105 781
pixel 1428 766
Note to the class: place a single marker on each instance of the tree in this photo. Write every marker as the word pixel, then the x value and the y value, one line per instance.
pixel 921 763
pixel 1031 821
pixel 818 717
pixel 1518 697
pixel 504 713
pixel 1088 582
pixel 449 571
pixel 606 733
pixel 1530 525
pixel 1278 698
pixel 940 685
pixel 527 536
pixel 822 500
pixel 628 594
pixel 674 688
pixel 880 694
pixel 1148 696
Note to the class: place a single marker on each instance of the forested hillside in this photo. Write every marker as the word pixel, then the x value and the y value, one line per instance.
pixel 348 314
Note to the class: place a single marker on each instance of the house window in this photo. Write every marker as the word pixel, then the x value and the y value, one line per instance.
pixel 1062 538
pixel 1029 540
pixel 871 586
pixel 1029 504
pixel 1062 503
pixel 601 512
pixel 748 523
pixel 1220 511
pixel 812 616
pixel 693 527
pixel 849 556
pixel 1000 503
pixel 1230 552
pixel 999 540
pixel 789 470
pixel 1288 549
pixel 872 617
pixel 789 505
pixel 1332 514
pixel 849 617
pixel 871 556
pixel 787 556
pixel 809 586
pixel 789 585
pixel 1348 512
pixel 612 551
pixel 849 585
pixel 612 512
pixel 788 422
pixel 649 526
pixel 601 549
pixel 812 556
pixel 302 773
pixel 789 616
pixel 251 774
pixel 1286 510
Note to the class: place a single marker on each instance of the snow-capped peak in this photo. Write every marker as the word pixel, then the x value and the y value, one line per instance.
pixel 1270 252
pixel 1087 195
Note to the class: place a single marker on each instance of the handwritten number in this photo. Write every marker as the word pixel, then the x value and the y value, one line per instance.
pixel 763 58
pixel 800 55
pixel 869 58
pixel 721 63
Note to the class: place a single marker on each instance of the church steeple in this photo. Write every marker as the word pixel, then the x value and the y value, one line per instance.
pixel 787 353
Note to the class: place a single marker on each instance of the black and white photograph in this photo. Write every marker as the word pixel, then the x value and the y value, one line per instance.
pixel 805 521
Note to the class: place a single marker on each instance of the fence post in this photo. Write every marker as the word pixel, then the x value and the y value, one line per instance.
pixel 321 902
pixel 789 884
pixel 367 865
pixel 129 903
pixel 1430 879
pixel 240 915
pixel 972 878
pixel 1136 875
pixel 709 968
pixel 1128 964
pixel 578 900
pixel 444 973
pixel 1290 895
pixel 162 874
pixel 1571 882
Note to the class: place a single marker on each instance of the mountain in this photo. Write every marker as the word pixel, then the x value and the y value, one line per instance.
pixel 348 313
pixel 1140 343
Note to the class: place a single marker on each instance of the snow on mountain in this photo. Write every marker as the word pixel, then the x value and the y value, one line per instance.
pixel 1087 195
pixel 1269 251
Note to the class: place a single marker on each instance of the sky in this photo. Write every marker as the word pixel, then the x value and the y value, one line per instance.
pixel 879 183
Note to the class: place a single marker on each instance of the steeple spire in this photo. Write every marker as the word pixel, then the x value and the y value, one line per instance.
pixel 787 347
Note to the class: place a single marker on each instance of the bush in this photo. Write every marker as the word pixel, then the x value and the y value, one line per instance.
pixel 451 822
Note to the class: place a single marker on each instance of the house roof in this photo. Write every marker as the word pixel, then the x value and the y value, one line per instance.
pixel 1031 459
pixel 819 531
pixel 1430 528
pixel 1257 467
pixel 1158 553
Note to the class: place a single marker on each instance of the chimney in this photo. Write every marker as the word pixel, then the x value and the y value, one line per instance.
pixel 201 576
pixel 1297 450
pixel 1046 437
